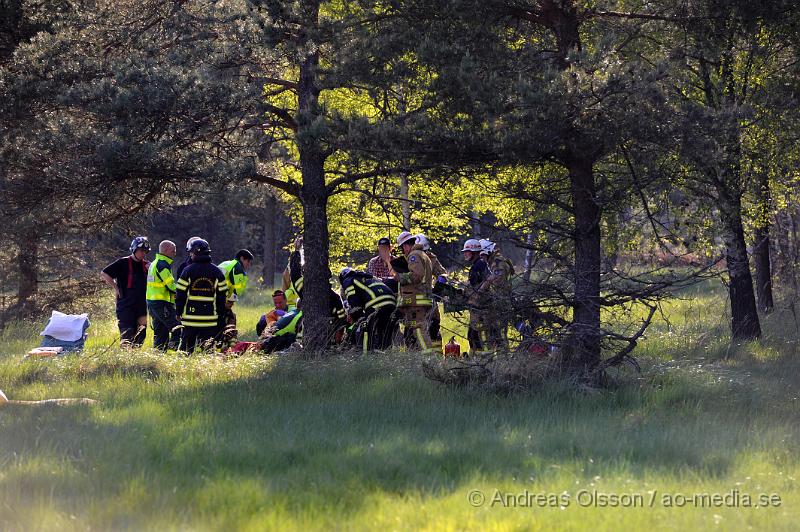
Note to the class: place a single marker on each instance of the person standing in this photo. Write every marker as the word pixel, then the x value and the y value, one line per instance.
pixel 236 276
pixel 478 273
pixel 127 276
pixel 188 260
pixel 414 287
pixel 437 272
pixel 200 298
pixel 161 298
pixel 497 288
pixel 380 266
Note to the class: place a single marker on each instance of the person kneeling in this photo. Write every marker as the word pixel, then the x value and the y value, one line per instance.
pixel 270 318
pixel 371 300
pixel 283 333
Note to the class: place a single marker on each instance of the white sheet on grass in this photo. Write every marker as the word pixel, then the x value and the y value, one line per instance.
pixel 65 327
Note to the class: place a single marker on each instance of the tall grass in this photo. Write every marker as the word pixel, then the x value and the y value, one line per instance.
pixel 364 442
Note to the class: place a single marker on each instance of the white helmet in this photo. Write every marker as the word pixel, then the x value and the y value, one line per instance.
pixel 472 245
pixel 404 237
pixel 487 246
pixel 422 240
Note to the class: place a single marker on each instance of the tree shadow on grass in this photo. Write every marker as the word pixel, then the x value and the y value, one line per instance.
pixel 311 436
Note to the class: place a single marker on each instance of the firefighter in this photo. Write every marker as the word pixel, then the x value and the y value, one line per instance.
pixel 437 272
pixel 236 277
pixel 161 298
pixel 368 297
pixel 200 298
pixel 414 294
pixel 478 273
pixel 128 278
pixel 182 266
pixel 497 289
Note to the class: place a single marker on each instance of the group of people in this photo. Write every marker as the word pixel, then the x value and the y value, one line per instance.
pixel 420 282
pixel 196 306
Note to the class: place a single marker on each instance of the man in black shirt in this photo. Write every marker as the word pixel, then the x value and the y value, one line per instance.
pixel 128 278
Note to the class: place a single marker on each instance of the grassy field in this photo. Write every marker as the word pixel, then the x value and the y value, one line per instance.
pixel 365 442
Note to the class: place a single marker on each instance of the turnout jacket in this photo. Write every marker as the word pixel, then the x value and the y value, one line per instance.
pixel 500 272
pixel 201 291
pixel 436 267
pixel 364 291
pixel 416 285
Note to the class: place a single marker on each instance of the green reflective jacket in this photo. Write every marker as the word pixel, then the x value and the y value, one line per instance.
pixel 236 278
pixel 160 283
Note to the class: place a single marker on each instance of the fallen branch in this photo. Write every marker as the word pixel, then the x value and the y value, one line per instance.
pixel 60 402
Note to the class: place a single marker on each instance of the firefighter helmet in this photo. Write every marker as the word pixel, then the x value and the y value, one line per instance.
pixel 405 237
pixel 200 247
pixel 472 245
pixel 140 242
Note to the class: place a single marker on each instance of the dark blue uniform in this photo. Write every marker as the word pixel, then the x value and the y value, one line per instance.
pixel 200 301
pixel 374 301
pixel 478 273
pixel 476 333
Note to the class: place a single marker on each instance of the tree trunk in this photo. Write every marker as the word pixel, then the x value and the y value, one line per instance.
pixel 744 316
pixel 27 267
pixel 316 275
pixel 528 257
pixel 761 247
pixel 783 253
pixel 314 196
pixel 761 257
pixel 475 222
pixel 583 344
pixel 269 256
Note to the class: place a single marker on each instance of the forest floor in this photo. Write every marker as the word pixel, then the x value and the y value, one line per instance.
pixel 366 442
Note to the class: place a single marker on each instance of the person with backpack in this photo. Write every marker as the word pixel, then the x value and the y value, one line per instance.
pixel 127 276
pixel 200 298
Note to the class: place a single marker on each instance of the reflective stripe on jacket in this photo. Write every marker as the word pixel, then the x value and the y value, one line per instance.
pixel 236 278
pixel 160 283
pixel 200 298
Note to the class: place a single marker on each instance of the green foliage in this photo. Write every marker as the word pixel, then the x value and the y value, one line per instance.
pixel 366 442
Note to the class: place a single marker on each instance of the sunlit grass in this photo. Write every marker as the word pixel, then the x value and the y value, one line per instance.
pixel 365 442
